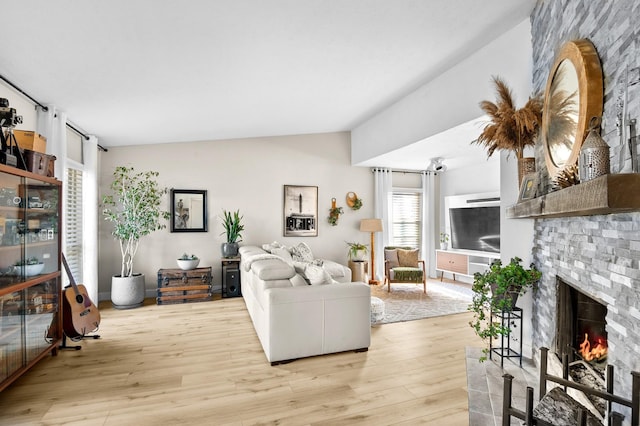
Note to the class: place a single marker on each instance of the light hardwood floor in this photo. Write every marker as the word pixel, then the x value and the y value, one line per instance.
pixel 202 363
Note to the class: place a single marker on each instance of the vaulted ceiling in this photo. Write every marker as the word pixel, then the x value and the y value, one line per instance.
pixel 154 71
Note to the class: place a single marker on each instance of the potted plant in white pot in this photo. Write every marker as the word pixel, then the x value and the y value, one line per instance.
pixel 444 241
pixel 357 251
pixel 233 227
pixel 134 209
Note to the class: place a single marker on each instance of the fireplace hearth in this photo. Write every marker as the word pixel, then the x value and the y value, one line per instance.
pixel 581 336
pixel 581 327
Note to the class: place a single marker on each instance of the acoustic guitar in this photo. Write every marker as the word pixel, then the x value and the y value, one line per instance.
pixel 79 315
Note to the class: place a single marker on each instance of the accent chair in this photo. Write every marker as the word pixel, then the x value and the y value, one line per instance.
pixel 403 265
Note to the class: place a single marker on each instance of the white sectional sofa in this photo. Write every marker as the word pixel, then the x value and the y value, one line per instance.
pixel 294 319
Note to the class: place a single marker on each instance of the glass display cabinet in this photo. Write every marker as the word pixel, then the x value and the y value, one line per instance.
pixel 30 286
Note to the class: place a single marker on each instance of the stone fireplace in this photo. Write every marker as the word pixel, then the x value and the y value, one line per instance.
pixel 597 255
pixel 595 258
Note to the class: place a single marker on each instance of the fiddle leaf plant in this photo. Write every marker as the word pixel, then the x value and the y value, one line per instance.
pixel 496 290
pixel 134 208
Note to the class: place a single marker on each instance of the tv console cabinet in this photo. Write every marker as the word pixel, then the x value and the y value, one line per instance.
pixel 464 263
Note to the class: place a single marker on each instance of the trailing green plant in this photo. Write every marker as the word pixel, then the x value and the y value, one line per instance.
pixel 233 227
pixel 134 209
pixel 357 203
pixel 354 248
pixel 494 291
pixel 334 215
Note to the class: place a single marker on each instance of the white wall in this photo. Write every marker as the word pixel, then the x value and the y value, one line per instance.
pixel 245 174
pixel 482 177
pixel 450 99
pixel 516 237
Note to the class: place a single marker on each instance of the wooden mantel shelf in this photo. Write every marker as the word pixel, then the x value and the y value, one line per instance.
pixel 612 193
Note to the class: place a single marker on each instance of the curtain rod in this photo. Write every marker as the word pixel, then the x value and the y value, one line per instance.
pixel 45 108
pixel 418 172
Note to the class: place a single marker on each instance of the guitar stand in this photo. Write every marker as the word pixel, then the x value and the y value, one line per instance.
pixel 76 347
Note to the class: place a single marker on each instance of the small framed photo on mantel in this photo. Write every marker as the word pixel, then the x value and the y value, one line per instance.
pixel 528 187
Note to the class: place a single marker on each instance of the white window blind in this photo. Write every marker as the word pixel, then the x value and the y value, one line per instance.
pixel 406 219
pixel 73 222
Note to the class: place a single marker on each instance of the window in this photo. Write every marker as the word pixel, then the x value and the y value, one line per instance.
pixel 73 222
pixel 406 218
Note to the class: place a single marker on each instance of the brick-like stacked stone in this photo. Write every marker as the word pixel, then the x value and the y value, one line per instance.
pixel 613 29
pixel 597 254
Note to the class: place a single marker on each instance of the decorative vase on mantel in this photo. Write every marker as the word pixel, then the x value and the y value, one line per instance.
pixel 525 165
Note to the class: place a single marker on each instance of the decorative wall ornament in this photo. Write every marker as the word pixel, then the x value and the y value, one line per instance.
pixel 353 201
pixel 567 177
pixel 573 95
pixel 334 213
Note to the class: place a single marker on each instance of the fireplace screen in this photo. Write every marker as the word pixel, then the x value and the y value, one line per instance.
pixel 581 331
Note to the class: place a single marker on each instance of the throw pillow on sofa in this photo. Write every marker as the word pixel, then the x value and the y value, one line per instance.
pixel 302 253
pixel 298 281
pixel 316 275
pixel 284 254
pixel 269 248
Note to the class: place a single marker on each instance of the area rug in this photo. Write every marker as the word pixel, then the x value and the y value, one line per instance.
pixel 407 302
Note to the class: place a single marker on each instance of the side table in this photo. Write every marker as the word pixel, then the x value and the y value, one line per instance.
pixel 231 277
pixel 359 269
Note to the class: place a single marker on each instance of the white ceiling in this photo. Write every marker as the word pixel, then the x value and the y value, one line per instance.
pixel 155 71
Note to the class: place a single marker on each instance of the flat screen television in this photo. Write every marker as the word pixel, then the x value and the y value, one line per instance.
pixel 475 228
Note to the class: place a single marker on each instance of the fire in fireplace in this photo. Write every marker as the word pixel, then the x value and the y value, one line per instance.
pixel 581 327
pixel 595 353
pixel 582 336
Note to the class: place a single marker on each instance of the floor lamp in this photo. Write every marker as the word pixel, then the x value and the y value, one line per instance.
pixel 372 226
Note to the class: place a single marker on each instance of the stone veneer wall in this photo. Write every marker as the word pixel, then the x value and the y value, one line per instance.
pixel 597 254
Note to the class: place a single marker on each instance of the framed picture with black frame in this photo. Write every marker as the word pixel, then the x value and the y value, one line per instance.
pixel 300 212
pixel 188 210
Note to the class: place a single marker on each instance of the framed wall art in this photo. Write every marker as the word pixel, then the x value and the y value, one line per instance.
pixel 300 211
pixel 188 210
pixel 529 187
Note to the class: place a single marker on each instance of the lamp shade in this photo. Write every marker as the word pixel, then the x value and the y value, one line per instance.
pixel 371 225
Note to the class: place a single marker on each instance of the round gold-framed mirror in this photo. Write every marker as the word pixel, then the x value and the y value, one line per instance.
pixel 573 95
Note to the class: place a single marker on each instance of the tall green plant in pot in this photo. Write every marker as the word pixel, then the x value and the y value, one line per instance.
pixel 497 290
pixel 233 227
pixel 134 209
